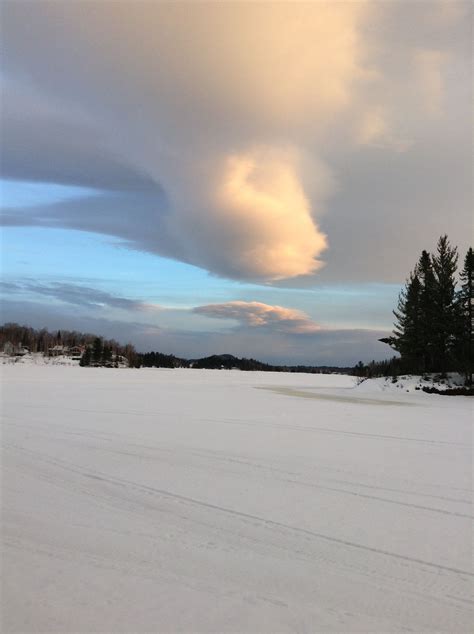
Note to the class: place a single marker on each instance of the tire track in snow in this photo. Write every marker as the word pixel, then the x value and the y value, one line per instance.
pixel 323 487
pixel 355 493
pixel 353 483
pixel 274 523
pixel 102 477
pixel 306 428
pixel 109 435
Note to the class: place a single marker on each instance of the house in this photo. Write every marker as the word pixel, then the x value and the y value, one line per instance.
pixel 16 350
pixel 121 361
pixel 58 350
pixel 8 347
pixel 75 352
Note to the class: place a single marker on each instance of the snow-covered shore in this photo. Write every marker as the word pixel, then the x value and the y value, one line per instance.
pixel 38 359
pixel 192 500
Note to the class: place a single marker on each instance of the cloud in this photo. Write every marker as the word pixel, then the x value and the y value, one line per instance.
pixel 326 347
pixel 251 314
pixel 258 219
pixel 228 135
pixel 257 315
pixel 374 129
pixel 429 66
pixel 77 295
pixel 263 198
pixel 50 139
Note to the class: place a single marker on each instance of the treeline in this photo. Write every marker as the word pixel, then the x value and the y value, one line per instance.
pixel 434 317
pixel 214 362
pixel 160 360
pixel 104 352
pixel 230 362
pixel 100 351
pixel 97 350
pixel 41 340
pixel 389 367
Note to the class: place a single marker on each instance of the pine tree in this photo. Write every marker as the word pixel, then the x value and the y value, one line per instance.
pixel 425 273
pixel 425 333
pixel 106 354
pixel 464 349
pixel 444 323
pixel 97 350
pixel 407 334
pixel 132 357
pixel 86 357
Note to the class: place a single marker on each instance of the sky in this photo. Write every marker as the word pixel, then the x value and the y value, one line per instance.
pixel 247 178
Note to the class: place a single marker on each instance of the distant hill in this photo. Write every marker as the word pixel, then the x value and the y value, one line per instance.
pixel 228 362
pixel 231 362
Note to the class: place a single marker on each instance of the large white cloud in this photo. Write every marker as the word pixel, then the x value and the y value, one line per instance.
pixel 226 126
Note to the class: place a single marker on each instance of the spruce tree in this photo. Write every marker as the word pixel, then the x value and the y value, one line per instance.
pixel 106 355
pixel 97 350
pixel 407 334
pixel 464 349
pixel 427 328
pixel 424 270
pixel 444 324
pixel 86 358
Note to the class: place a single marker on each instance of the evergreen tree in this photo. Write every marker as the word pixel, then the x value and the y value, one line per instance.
pixel 424 270
pixel 86 357
pixel 427 330
pixel 407 336
pixel 106 354
pixel 464 349
pixel 444 323
pixel 359 369
pixel 132 356
pixel 97 350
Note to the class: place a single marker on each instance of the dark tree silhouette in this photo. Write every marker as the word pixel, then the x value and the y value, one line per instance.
pixel 444 327
pixel 464 347
pixel 434 323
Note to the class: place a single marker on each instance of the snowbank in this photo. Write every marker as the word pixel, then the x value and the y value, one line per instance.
pixel 410 383
pixel 38 359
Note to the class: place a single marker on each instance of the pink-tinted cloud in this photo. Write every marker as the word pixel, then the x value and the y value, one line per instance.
pixel 258 315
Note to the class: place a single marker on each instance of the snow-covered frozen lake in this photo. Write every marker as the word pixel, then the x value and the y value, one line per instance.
pixel 195 501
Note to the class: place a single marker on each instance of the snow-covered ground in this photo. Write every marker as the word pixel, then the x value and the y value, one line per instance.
pixel 199 501
pixel 38 358
pixel 412 383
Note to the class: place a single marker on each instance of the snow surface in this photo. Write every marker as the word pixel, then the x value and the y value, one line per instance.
pixel 38 358
pixel 199 500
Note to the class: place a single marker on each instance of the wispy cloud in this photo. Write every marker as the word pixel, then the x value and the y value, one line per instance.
pixel 77 295
pixel 247 314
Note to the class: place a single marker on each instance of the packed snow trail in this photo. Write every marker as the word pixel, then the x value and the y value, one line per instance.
pixel 188 500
